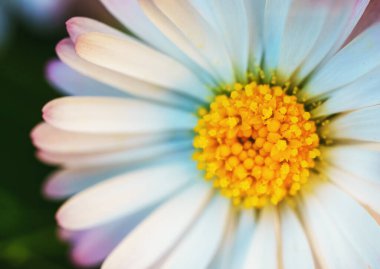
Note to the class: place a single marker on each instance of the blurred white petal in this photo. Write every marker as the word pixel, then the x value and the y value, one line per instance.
pixel 114 115
pixel 162 229
pixel 124 195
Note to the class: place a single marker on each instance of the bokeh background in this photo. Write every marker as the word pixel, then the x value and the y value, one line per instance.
pixel 28 35
pixel 29 31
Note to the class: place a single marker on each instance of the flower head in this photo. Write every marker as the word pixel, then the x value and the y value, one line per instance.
pixel 227 134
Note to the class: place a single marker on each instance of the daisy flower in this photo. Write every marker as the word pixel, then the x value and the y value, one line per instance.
pixel 223 134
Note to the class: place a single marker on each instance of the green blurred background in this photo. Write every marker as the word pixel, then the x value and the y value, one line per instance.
pixel 27 225
pixel 28 232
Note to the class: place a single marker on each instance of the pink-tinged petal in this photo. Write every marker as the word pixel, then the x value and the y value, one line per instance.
pixel 162 230
pixel 370 16
pixel 341 19
pixel 114 115
pixel 137 60
pixel 78 26
pixel 71 82
pixel 48 138
pixel 124 195
pixel 69 236
pixel 66 52
pixel 94 245
pixel 357 9
pixel 374 215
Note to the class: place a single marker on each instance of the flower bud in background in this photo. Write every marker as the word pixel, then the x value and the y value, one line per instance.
pixel 44 17
pixel 43 14
pixel 3 24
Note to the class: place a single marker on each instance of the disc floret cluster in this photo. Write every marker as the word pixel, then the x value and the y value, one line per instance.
pixel 256 144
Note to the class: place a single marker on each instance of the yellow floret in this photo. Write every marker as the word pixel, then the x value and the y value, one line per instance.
pixel 256 145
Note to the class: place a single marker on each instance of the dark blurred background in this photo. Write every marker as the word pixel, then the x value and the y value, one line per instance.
pixel 27 226
pixel 28 230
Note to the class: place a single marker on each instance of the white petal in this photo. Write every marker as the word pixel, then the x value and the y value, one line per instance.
pixel 114 115
pixel 342 18
pixel 354 222
pixel 305 22
pixel 172 32
pixel 232 21
pixel 94 245
pixel 78 26
pixel 357 8
pixel 222 256
pixel 295 248
pixel 139 61
pixel 255 15
pixel 359 57
pixel 205 9
pixel 358 125
pixel 152 239
pixel 331 248
pixel 69 181
pixel 125 157
pixel 187 28
pixel 48 138
pixel 275 16
pixel 124 195
pixel 200 244
pixel 357 160
pixel 263 250
pixel 129 13
pixel 366 192
pixel 66 182
pixel 244 234
pixel 71 82
pixel 374 215
pixel 66 52
pixel 361 93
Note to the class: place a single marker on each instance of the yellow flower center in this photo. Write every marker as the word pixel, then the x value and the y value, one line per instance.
pixel 256 144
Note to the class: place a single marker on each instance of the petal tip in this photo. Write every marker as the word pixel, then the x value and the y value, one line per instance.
pixel 62 46
pixel 47 111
